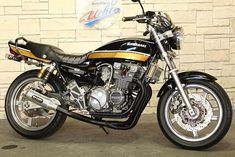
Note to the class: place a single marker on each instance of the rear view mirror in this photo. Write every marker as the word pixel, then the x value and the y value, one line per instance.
pixel 140 4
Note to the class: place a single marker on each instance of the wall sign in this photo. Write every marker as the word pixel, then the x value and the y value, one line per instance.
pixel 99 14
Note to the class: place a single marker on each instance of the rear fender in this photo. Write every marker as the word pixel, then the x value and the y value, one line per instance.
pixel 22 50
pixel 184 77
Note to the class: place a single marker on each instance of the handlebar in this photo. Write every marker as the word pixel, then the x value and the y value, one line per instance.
pixel 143 18
pixel 140 18
pixel 132 18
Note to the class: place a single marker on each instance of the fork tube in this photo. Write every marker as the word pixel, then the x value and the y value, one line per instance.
pixel 173 71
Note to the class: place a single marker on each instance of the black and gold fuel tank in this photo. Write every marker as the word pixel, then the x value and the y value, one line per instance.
pixel 135 49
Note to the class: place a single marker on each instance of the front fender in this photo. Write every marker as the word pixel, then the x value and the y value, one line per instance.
pixel 184 77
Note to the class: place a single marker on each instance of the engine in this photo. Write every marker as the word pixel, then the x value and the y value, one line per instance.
pixel 113 96
pixel 124 74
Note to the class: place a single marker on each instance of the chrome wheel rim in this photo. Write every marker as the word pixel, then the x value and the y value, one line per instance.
pixel 196 135
pixel 32 119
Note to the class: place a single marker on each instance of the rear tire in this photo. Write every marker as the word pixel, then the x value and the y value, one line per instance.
pixel 53 125
pixel 211 140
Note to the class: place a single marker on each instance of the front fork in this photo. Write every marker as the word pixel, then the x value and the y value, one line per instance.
pixel 173 72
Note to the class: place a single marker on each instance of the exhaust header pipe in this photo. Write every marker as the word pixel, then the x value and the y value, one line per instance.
pixel 54 104
pixel 42 100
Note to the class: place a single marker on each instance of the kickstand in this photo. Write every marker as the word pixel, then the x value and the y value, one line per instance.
pixel 104 130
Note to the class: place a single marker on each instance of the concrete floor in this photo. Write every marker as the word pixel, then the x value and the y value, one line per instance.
pixel 79 139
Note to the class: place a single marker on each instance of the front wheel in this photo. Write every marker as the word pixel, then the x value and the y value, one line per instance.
pixel 203 130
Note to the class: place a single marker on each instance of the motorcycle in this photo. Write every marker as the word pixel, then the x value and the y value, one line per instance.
pixel 110 87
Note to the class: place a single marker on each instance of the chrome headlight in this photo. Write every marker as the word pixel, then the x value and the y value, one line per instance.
pixel 177 40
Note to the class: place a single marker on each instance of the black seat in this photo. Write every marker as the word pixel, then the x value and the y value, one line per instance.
pixel 52 53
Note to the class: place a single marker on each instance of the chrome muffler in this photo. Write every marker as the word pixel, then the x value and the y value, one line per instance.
pixel 42 100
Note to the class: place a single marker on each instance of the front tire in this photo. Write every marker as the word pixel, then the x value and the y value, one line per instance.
pixel 199 132
pixel 34 122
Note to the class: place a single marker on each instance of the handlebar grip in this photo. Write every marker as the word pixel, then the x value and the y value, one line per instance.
pixel 130 18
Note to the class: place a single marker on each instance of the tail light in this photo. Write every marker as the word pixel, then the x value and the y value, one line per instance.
pixel 13 52
pixel 13 56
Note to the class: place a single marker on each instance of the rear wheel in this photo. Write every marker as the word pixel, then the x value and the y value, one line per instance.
pixel 27 118
pixel 211 122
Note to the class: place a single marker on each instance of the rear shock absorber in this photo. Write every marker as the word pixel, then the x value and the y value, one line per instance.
pixel 45 73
